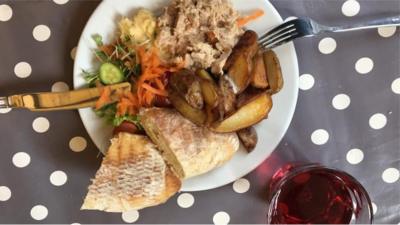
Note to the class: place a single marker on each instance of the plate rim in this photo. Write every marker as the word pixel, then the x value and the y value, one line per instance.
pixel 251 168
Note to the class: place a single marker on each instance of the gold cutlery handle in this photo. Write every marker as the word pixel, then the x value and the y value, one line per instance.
pixel 51 101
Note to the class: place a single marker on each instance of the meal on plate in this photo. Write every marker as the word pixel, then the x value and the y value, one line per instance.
pixel 199 82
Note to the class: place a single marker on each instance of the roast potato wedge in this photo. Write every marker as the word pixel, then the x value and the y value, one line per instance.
pixel 213 115
pixel 258 73
pixel 239 73
pixel 248 137
pixel 204 75
pixel 247 96
pixel 187 85
pixel 210 92
pixel 274 72
pixel 246 116
pixel 227 96
pixel 197 116
pixel 240 63
pixel 247 46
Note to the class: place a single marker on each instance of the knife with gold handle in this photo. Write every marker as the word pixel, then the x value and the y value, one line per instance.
pixel 51 101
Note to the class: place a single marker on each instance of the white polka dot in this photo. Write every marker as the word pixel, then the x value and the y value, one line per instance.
pixel 22 69
pixel 73 53
pixel 185 200
pixel 290 18
pixel 327 45
pixel 131 216
pixel 341 101
pixel 5 13
pixel 59 87
pixel 355 156
pixel 374 208
pixel 221 218
pixel 4 111
pixel 350 8
pixel 41 33
pixel 364 65
pixel 386 31
pixel 21 159
pixel 5 193
pixel 41 125
pixel 306 82
pixel 396 86
pixel 58 178
pixel 39 212
pixel 77 144
pixel 60 2
pixel 377 121
pixel 319 137
pixel 390 175
pixel 241 185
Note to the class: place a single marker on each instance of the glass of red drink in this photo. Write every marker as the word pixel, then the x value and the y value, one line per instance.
pixel 315 194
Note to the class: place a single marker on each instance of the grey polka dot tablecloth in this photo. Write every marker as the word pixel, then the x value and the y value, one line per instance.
pixel 347 117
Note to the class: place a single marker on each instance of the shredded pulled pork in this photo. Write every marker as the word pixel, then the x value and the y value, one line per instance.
pixel 201 33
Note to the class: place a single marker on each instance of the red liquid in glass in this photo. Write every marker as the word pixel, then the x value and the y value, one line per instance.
pixel 317 196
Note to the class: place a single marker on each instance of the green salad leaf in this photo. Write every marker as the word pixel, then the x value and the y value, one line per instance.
pixel 133 119
pixel 91 77
pixel 125 58
pixel 102 56
pixel 98 39
pixel 108 112
pixel 137 70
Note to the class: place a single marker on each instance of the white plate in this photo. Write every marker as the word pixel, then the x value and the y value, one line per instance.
pixel 270 132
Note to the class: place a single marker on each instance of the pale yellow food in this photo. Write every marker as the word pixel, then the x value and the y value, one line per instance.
pixel 133 175
pixel 190 150
pixel 140 29
pixel 248 115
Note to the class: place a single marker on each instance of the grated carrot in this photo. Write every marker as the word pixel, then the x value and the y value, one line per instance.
pixel 154 90
pixel 159 84
pixel 149 85
pixel 131 98
pixel 153 72
pixel 108 49
pixel 105 97
pixel 242 21
pixel 121 108
pixel 124 106
pixel 149 98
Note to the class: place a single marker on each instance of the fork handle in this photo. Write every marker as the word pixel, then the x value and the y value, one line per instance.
pixel 382 22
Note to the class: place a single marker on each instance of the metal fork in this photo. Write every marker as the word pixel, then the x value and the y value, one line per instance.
pixel 306 27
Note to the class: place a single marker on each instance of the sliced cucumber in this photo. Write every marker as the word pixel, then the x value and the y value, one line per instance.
pixel 110 74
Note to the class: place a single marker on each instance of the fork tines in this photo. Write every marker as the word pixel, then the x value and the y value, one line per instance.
pixel 281 34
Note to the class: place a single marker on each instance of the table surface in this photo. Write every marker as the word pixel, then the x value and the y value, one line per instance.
pixel 347 117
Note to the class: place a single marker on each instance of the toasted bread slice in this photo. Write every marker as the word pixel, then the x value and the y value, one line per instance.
pixel 133 175
pixel 189 149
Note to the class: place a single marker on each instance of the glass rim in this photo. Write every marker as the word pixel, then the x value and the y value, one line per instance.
pixel 299 168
